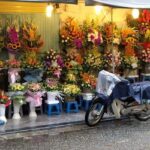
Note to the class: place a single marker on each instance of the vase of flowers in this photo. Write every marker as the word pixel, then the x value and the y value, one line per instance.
pixel 4 102
pixel 70 91
pixel 34 97
pixel 17 95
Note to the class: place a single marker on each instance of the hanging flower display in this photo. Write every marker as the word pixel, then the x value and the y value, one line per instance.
pixel 13 43
pixel 31 41
pixel 71 34
pixel 53 62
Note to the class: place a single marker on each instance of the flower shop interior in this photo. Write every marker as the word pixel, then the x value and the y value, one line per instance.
pixel 51 54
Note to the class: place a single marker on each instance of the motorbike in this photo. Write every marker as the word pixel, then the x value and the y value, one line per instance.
pixel 118 96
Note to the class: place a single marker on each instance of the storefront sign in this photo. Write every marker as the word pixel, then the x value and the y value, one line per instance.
pixel 52 1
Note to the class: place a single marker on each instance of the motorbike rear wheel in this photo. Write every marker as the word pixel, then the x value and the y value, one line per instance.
pixel 94 114
pixel 143 116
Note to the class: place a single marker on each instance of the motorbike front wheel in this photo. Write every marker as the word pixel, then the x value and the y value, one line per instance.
pixel 144 116
pixel 94 114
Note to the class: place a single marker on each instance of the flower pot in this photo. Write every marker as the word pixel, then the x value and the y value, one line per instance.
pixel 32 111
pixel 87 96
pixel 16 114
pixel 2 113
pixel 129 72
pixel 51 97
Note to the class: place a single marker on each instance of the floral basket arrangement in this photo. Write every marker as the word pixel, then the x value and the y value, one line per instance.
pixel 51 84
pixel 17 93
pixel 31 41
pixel 53 63
pixel 13 43
pixel 70 91
pixel 70 34
pixel 88 82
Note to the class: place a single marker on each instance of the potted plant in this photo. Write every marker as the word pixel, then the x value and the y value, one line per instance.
pixel 34 97
pixel 17 95
pixel 4 102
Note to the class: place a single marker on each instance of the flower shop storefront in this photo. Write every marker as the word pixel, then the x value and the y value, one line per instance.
pixel 50 56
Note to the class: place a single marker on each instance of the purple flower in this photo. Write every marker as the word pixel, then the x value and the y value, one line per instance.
pixel 60 61
pixel 78 43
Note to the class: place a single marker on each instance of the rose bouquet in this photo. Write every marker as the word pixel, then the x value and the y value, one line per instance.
pixel 13 43
pixel 31 41
pixel 34 87
pixel 145 55
pixel 53 63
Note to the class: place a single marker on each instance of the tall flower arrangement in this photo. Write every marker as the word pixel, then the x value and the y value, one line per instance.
pixel 71 34
pixel 53 62
pixel 13 44
pixel 31 40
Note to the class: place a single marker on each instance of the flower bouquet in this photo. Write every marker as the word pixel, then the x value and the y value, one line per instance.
pixel 70 91
pixel 13 43
pixel 34 97
pixel 70 34
pixel 32 67
pixel 13 71
pixel 53 63
pixel 31 41
pixel 4 102
pixel 130 65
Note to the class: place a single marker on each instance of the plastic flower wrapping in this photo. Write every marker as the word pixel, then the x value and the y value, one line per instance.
pixel 4 99
pixel 88 81
pixel 31 40
pixel 34 87
pixel 51 84
pixel 71 89
pixel 73 60
pixel 71 34
pixel 129 62
pixel 13 43
pixel 54 63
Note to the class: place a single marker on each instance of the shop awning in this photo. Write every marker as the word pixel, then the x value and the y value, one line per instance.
pixel 125 3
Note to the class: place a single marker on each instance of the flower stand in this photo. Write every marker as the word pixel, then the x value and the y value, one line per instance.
pixel 16 114
pixel 32 111
pixel 2 113
pixel 72 107
pixel 51 97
